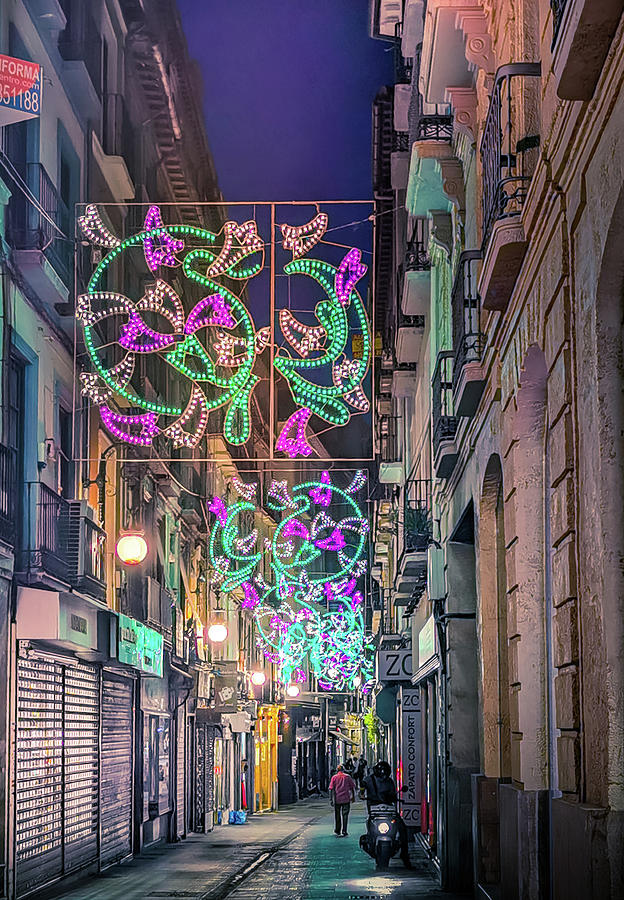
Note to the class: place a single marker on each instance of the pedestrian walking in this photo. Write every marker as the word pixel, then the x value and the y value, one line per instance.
pixel 360 771
pixel 341 795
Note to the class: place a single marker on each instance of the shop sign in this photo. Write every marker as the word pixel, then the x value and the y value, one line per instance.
pixel 139 646
pixel 394 665
pixel 20 90
pixel 426 642
pixel 226 693
pixel 411 756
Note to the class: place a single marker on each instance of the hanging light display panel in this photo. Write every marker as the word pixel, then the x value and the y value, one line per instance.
pixel 303 573
pixel 246 325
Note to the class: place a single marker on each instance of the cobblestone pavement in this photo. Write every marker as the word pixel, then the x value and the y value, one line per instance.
pixel 290 854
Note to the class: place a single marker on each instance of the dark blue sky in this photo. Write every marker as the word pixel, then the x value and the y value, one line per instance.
pixel 288 91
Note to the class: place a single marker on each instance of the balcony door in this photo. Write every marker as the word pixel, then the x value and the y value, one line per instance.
pixel 15 433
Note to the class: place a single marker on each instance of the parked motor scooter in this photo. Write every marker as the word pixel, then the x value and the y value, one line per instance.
pixel 381 840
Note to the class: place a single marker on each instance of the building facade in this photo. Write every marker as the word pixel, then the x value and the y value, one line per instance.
pixel 510 402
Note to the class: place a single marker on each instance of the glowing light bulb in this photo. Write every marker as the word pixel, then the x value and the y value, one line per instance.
pixel 293 690
pixel 131 549
pixel 217 633
pixel 357 681
pixel 258 678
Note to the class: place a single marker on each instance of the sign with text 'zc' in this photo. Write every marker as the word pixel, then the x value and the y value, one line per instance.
pixel 394 665
pixel 411 774
pixel 20 90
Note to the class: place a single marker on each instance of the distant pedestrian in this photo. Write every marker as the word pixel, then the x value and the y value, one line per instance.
pixel 348 766
pixel 360 771
pixel 341 795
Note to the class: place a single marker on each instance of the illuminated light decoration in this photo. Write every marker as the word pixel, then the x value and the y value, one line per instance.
pixel 297 445
pixel 135 335
pixel 115 422
pixel 217 633
pixel 216 312
pixel 359 480
pixel 358 399
pixel 109 303
pixel 93 388
pixel 247 491
pixel 320 522
pixel 217 506
pixel 93 227
pixel 350 270
pixel 247 543
pixel 249 242
pixel 226 347
pixel 258 678
pixel 197 408
pixel 263 336
pixel 131 548
pixel 335 541
pixel 161 298
pixel 295 528
pixel 302 338
pixel 305 374
pixel 293 690
pixel 159 247
pixel 322 494
pixel 278 497
pixel 299 239
pixel 251 598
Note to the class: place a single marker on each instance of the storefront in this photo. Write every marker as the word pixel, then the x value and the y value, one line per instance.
pixel 60 789
pixel 266 744
pixel 157 754
pixel 427 681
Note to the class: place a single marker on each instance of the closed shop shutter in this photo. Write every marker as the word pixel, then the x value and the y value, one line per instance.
pixel 81 765
pixel 116 787
pixel 39 773
pixel 56 769
pixel 181 772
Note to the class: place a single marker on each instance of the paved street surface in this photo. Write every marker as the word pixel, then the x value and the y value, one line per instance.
pixel 290 854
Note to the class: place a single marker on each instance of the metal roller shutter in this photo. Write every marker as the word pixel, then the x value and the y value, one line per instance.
pixel 116 785
pixel 81 736
pixel 57 769
pixel 180 772
pixel 39 773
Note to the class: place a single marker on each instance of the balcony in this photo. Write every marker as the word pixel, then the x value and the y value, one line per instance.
pixel 399 161
pixel 41 241
pixel 115 152
pixel 509 152
pixel 44 556
pixel 415 536
pixel 443 419
pixel 416 294
pixel 468 340
pixel 390 463
pixel 8 494
pixel 82 49
pixel 582 34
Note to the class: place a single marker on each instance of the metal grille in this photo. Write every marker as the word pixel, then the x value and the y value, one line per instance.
pixel 468 341
pixel 506 163
pixel 443 417
pixel 116 778
pixel 8 493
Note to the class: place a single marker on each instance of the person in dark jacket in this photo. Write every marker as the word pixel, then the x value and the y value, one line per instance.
pixel 360 771
pixel 381 789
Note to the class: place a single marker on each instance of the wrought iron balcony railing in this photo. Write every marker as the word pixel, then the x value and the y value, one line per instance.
pixel 558 8
pixel 427 121
pixel 28 229
pixel 46 544
pixel 468 340
pixel 8 494
pixel 509 136
pixel 417 515
pixel 416 254
pixel 400 142
pixel 443 419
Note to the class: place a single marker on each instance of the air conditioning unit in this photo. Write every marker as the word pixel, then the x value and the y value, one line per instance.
pixel 86 546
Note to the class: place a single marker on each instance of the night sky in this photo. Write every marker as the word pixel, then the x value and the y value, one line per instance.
pixel 288 91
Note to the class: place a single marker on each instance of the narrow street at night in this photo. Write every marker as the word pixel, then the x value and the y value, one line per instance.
pixel 290 854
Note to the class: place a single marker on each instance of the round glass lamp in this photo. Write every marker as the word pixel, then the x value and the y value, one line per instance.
pixel 131 549
pixel 217 633
pixel 293 690
pixel 258 678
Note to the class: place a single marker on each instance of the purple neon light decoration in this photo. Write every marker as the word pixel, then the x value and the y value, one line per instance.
pixel 322 495
pixel 335 541
pixel 159 250
pixel 350 270
pixel 216 312
pixel 297 445
pixel 134 329
pixel 217 506
pixel 114 422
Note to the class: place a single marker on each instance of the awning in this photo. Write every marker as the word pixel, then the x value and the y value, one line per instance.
pixel 309 736
pixel 340 737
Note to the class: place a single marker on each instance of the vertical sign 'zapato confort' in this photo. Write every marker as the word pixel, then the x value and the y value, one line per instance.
pixel 20 90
